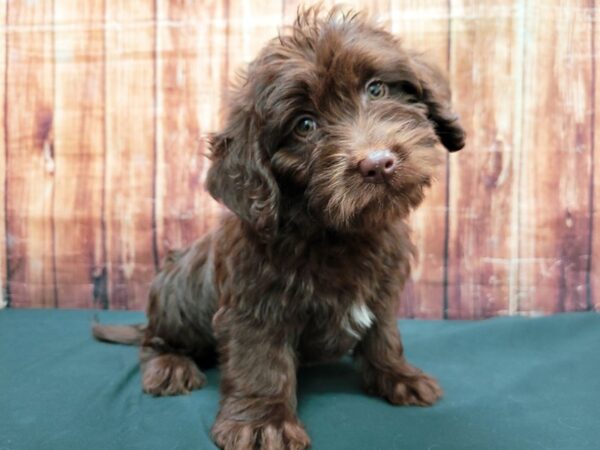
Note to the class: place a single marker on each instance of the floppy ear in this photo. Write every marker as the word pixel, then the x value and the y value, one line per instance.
pixel 436 95
pixel 240 176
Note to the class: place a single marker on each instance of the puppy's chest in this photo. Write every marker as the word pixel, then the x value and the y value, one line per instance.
pixel 328 335
pixel 339 301
pixel 357 320
pixel 338 296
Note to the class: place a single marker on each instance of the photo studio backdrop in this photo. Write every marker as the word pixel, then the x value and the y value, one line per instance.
pixel 106 105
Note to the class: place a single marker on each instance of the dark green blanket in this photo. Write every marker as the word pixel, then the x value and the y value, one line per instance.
pixel 510 383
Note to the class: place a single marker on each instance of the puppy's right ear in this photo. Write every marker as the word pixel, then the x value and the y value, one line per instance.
pixel 436 95
pixel 240 176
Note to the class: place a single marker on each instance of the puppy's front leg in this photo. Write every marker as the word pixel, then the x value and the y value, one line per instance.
pixel 386 372
pixel 258 387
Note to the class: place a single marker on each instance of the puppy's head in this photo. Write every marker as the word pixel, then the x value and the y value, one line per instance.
pixel 335 120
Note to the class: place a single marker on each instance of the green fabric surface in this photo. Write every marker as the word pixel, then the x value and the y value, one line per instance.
pixel 510 383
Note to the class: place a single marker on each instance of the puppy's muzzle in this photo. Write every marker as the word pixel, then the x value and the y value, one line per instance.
pixel 378 167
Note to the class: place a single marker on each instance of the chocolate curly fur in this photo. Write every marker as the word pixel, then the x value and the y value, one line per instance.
pixel 311 262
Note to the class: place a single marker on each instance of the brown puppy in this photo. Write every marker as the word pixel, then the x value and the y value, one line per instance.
pixel 330 141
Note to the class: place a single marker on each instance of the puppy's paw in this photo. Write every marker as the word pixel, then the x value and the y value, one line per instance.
pixel 171 374
pixel 419 390
pixel 232 435
pixel 406 385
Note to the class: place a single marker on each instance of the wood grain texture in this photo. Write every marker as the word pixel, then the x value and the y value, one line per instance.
pixel 487 65
pixel 593 297
pixel 250 25
pixel 377 9
pixel 130 47
pixel 191 67
pixel 79 153
pixel 423 26
pixel 30 164
pixel 554 225
pixel 4 291
pixel 107 104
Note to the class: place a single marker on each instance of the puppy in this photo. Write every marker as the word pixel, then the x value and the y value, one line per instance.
pixel 330 141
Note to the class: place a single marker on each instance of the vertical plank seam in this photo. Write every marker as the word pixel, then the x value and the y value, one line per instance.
pixel 520 161
pixel 104 273
pixel 6 293
pixel 563 259
pixel 445 299
pixel 52 144
pixel 155 142
pixel 588 275
pixel 225 77
pixel 514 237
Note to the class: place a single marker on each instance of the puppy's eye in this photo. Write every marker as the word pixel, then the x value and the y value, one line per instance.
pixel 305 126
pixel 377 89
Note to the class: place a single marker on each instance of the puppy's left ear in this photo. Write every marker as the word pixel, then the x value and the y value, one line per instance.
pixel 436 95
pixel 240 175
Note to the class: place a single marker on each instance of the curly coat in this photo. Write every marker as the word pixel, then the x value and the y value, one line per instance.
pixel 309 264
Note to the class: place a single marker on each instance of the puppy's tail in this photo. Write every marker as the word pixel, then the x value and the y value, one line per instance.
pixel 118 334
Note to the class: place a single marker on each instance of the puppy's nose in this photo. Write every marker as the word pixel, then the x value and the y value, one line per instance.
pixel 378 166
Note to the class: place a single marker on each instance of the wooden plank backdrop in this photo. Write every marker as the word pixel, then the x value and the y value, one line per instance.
pixel 107 103
pixel 425 294
pixel 486 67
pixel 3 269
